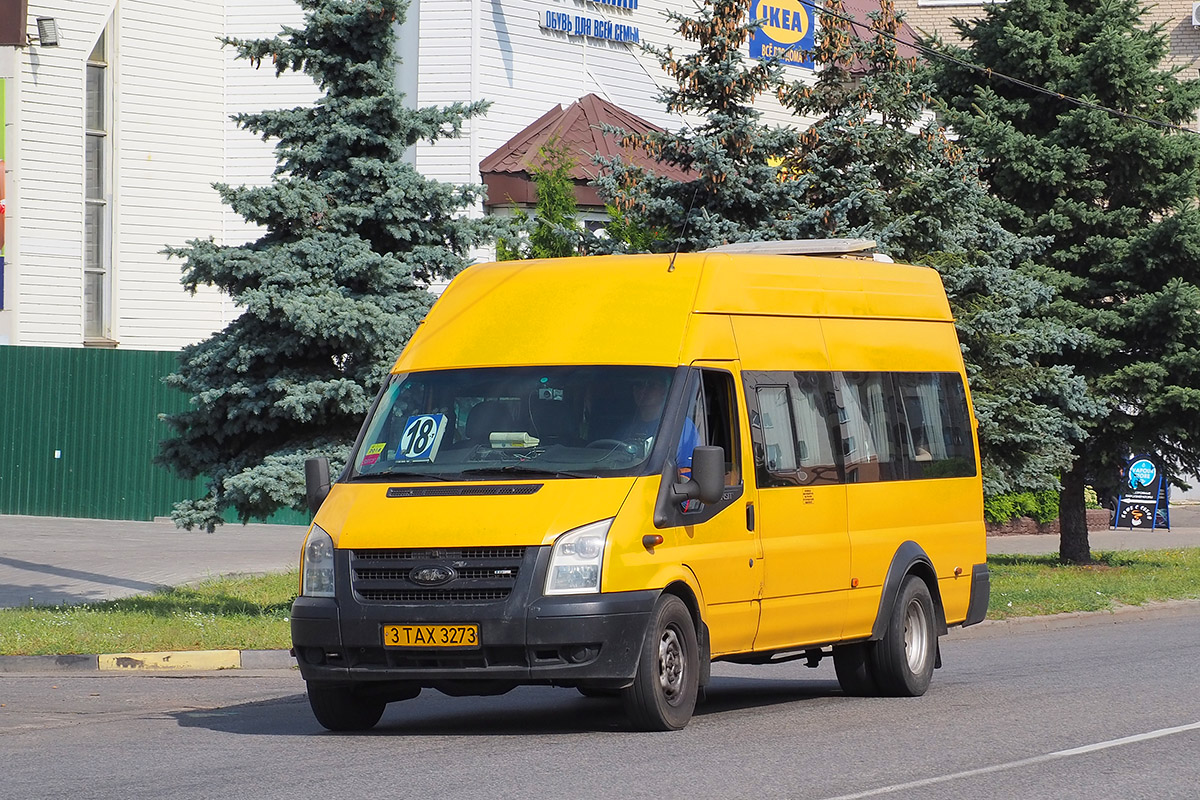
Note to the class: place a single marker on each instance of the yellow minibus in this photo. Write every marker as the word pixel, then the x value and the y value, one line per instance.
pixel 605 473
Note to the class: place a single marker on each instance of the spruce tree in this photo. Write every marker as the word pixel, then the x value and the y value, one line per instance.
pixel 731 153
pixel 335 286
pixel 553 230
pixel 1089 160
pixel 875 165
pixel 860 171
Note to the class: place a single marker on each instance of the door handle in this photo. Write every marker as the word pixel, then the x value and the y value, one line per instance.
pixel 749 516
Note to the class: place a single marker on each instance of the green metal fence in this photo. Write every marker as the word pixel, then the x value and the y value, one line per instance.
pixel 79 429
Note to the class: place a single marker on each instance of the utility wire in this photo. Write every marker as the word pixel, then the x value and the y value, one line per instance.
pixel 991 73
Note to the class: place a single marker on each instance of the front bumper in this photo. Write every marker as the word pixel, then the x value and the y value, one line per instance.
pixel 525 639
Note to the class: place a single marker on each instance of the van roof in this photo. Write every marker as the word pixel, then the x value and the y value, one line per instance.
pixel 635 309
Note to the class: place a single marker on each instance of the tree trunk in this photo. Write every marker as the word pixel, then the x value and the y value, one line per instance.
pixel 1073 547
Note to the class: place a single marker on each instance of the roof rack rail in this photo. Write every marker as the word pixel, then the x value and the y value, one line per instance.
pixel 800 247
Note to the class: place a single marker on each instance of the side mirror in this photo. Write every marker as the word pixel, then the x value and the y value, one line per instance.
pixel 707 483
pixel 316 482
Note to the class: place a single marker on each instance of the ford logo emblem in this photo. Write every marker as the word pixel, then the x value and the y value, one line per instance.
pixel 434 575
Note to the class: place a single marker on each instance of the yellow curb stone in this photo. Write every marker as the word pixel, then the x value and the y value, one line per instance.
pixel 197 659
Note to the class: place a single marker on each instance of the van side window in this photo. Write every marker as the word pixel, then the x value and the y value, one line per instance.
pixel 779 436
pixel 935 430
pixel 814 428
pixel 866 407
pixel 794 421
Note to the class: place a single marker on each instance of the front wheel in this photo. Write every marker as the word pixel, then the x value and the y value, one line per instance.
pixel 340 708
pixel 902 661
pixel 663 694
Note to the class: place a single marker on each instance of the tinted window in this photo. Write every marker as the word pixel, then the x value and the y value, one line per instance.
pixel 792 416
pixel 867 413
pixel 810 428
pixel 935 427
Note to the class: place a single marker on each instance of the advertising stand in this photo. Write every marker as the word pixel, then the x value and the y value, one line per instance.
pixel 1145 496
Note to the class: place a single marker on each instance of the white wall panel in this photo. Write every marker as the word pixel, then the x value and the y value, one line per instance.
pixel 169 124
pixel 46 195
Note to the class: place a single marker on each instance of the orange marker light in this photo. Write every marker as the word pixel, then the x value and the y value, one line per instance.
pixel 957 571
pixel 854 583
pixel 652 540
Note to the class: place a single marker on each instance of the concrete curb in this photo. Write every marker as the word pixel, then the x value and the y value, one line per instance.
pixel 1163 609
pixel 179 661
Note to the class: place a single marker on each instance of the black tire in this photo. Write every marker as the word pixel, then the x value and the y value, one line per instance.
pixel 663 694
pixel 339 708
pixel 852 663
pixel 902 661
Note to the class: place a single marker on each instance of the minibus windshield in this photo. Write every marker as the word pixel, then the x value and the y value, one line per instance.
pixel 512 422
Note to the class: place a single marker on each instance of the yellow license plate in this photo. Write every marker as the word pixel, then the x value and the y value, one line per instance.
pixel 431 636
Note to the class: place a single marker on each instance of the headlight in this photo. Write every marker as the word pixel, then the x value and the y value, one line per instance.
pixel 576 559
pixel 317 571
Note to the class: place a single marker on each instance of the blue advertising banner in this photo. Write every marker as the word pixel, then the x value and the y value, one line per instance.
pixel 1145 496
pixel 786 32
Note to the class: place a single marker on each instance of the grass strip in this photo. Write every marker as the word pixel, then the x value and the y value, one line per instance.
pixel 1033 585
pixel 227 613
pixel 251 612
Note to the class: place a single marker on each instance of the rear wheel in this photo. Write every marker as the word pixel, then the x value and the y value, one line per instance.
pixel 902 661
pixel 663 694
pixel 340 708
pixel 852 664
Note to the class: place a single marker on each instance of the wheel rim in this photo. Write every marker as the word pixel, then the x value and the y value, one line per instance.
pixel 916 636
pixel 670 665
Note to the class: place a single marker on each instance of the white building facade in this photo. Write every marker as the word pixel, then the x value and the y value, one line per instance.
pixel 114 136
pixel 112 141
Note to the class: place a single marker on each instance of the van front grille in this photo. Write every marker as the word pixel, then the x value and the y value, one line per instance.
pixel 440 576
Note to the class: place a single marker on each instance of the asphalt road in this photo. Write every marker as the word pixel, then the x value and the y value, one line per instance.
pixel 1098 707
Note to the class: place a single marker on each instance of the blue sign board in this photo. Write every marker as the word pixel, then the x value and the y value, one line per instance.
pixel 1145 496
pixel 574 24
pixel 786 31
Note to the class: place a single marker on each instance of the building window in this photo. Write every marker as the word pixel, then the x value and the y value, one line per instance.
pixel 97 256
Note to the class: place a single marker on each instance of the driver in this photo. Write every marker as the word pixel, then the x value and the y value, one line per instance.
pixel 649 398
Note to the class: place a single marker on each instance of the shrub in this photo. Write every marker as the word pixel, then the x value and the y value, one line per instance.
pixel 1039 506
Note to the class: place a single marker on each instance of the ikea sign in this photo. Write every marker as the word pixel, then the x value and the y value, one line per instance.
pixel 786 31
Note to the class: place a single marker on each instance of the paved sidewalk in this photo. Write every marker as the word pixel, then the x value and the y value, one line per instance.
pixel 51 560
pixel 1099 540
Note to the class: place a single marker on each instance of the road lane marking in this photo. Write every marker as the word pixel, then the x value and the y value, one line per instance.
pixel 1024 762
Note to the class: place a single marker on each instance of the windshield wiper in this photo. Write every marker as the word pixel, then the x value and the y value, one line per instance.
pixel 511 468
pixel 393 475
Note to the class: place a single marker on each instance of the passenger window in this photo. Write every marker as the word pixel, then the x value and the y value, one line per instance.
pixel 935 429
pixel 793 421
pixel 866 403
pixel 779 438
pixel 810 410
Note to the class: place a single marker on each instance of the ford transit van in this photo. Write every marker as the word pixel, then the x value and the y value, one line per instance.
pixel 606 473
